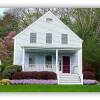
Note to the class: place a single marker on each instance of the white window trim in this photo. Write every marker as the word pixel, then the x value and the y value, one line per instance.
pixel 51 38
pixel 45 59
pixel 62 39
pixel 34 59
pixel 49 19
pixel 35 38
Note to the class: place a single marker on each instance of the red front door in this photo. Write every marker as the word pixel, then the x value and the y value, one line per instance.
pixel 66 64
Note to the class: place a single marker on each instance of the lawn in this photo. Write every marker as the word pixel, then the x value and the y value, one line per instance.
pixel 49 88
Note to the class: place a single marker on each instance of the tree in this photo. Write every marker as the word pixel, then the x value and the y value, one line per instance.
pixel 26 16
pixel 7 24
pixel 86 23
pixel 6 48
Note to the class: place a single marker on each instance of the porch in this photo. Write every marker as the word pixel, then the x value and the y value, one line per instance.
pixel 61 61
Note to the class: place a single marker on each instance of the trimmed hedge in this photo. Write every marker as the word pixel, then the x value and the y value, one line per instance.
pixel 45 75
pixel 88 75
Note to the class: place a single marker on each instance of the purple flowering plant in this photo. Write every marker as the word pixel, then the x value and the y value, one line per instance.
pixel 33 81
pixel 89 81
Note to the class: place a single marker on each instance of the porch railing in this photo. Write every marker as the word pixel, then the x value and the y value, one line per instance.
pixel 49 67
pixel 41 67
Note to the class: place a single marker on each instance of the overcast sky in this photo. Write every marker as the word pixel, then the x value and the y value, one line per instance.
pixel 2 10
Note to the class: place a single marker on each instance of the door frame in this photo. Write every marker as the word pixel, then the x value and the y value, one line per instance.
pixel 62 63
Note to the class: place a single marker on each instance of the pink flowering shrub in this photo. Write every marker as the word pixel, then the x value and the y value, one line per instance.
pixel 33 81
pixel 89 81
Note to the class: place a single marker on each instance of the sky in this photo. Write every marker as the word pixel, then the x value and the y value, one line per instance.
pixel 2 10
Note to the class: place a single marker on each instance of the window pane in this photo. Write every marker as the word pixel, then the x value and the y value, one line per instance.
pixel 48 19
pixel 48 38
pixel 32 37
pixel 48 61
pixel 64 39
pixel 32 60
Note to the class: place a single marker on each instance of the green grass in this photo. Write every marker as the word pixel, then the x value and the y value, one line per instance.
pixel 49 88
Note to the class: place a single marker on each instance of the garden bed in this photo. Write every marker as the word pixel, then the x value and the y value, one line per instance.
pixel 33 81
pixel 89 82
pixel 26 81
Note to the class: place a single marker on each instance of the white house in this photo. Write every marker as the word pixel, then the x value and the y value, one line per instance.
pixel 49 45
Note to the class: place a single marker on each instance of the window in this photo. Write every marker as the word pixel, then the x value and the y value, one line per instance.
pixel 48 19
pixel 48 38
pixel 48 61
pixel 64 39
pixel 32 37
pixel 31 60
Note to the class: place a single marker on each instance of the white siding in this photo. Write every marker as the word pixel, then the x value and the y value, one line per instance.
pixel 41 27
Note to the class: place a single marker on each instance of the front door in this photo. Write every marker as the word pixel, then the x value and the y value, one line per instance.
pixel 66 64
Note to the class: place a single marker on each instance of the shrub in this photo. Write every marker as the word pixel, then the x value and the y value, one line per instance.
pixel 89 82
pixel 10 70
pixel 35 75
pixel 47 75
pixel 33 81
pixel 17 67
pixel 2 67
pixel 88 75
pixel 5 82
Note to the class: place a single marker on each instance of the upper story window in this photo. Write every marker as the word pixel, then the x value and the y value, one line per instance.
pixel 64 39
pixel 48 37
pixel 32 37
pixel 48 19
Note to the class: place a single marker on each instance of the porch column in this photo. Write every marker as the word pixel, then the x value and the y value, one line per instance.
pixel 23 58
pixel 80 64
pixel 57 67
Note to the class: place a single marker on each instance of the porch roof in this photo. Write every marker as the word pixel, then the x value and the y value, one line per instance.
pixel 51 47
pixel 42 50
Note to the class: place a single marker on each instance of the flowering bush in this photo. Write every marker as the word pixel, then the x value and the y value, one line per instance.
pixel 5 82
pixel 33 81
pixel 44 75
pixel 89 81
pixel 88 75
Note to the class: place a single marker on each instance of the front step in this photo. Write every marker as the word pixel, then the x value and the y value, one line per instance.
pixel 69 79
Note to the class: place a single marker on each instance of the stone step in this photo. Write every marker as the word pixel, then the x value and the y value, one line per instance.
pixel 69 78
pixel 69 81
pixel 69 75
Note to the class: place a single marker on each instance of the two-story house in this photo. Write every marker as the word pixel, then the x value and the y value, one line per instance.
pixel 49 45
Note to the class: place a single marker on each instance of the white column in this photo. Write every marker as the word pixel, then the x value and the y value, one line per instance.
pixel 0 62
pixel 80 64
pixel 23 59
pixel 57 67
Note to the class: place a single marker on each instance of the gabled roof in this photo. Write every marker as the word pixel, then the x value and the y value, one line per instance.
pixel 49 14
